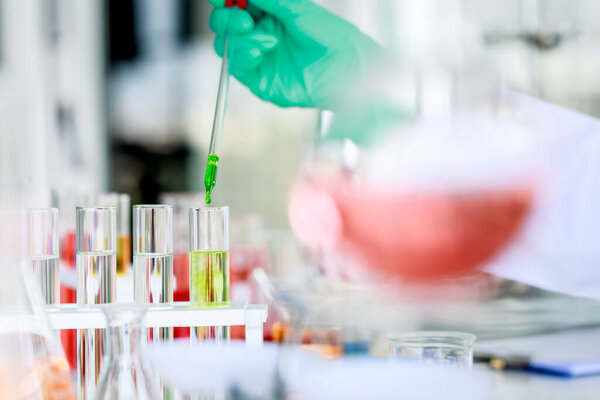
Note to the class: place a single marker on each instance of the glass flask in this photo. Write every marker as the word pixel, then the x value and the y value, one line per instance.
pixel 428 170
pixel 125 373
pixel 32 363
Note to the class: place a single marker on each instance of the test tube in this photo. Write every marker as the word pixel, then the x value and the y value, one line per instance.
pixel 42 238
pixel 96 264
pixel 209 266
pixel 153 258
pixel 153 263
pixel 122 203
pixel 181 203
pixel 123 234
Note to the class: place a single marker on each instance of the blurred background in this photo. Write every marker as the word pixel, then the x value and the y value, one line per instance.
pixel 119 95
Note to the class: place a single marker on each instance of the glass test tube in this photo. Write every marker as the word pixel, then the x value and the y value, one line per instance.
pixel 181 203
pixel 153 263
pixel 153 258
pixel 42 239
pixel 122 203
pixel 123 234
pixel 209 265
pixel 96 263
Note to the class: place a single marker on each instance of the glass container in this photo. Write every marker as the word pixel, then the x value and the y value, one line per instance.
pixel 153 257
pixel 122 203
pixel 43 251
pixel 32 363
pixel 433 348
pixel 209 264
pixel 428 170
pixel 125 373
pixel 96 264
pixel 181 203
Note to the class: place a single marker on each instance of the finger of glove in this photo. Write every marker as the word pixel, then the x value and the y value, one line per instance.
pixel 243 56
pixel 225 21
pixel 251 78
pixel 258 40
pixel 244 59
pixel 259 82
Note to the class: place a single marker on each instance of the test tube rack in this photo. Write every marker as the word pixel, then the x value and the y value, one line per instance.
pixel 177 314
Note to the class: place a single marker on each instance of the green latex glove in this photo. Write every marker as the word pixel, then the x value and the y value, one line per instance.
pixel 292 52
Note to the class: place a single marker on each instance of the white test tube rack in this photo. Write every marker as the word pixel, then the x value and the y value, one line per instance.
pixel 177 314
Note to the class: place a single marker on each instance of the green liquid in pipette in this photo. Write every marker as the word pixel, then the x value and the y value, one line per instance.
pixel 210 178
pixel 209 278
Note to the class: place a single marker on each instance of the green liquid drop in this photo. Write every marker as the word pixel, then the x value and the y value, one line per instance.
pixel 210 178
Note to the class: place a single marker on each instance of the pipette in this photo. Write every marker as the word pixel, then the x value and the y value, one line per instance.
pixel 212 165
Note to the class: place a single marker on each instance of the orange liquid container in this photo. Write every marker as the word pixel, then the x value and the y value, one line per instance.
pixel 123 254
pixel 68 296
pixel 55 379
pixel 47 379
pixel 32 363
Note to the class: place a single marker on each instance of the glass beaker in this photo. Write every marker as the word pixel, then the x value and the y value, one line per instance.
pixel 125 372
pixel 430 170
pixel 42 238
pixel 96 284
pixel 433 347
pixel 209 265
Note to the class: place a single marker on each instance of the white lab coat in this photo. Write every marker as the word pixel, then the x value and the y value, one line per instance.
pixel 559 249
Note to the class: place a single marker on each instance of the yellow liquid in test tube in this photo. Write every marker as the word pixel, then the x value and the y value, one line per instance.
pixel 210 287
pixel 123 254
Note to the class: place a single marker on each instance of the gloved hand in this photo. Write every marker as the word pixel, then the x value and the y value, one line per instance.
pixel 292 52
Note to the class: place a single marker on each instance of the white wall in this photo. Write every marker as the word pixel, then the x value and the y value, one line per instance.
pixel 35 76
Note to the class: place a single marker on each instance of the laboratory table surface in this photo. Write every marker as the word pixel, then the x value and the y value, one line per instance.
pixel 523 385
pixel 577 345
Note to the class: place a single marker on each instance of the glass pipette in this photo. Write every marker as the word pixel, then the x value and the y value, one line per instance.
pixel 212 165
